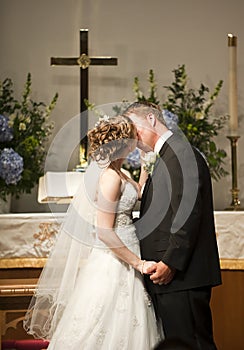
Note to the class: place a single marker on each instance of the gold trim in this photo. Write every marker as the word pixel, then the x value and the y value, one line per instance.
pixel 22 262
pixel 17 287
pixel 84 61
pixel 60 200
pixel 232 264
pixel 226 264
pixel 232 40
pixel 17 290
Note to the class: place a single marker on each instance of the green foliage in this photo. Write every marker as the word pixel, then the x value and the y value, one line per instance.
pixel 195 116
pixel 152 89
pixel 31 128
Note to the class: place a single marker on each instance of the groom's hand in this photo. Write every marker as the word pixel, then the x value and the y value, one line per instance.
pixel 161 273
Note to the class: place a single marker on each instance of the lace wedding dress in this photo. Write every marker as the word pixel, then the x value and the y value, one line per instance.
pixel 87 298
pixel 109 308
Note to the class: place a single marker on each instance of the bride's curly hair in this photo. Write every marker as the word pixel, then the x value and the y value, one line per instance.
pixel 110 137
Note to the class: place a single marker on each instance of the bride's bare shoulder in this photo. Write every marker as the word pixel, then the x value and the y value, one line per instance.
pixel 110 174
pixel 110 182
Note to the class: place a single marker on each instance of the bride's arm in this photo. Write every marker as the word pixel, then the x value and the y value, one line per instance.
pixel 108 197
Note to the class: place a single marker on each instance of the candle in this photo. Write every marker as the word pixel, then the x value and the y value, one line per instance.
pixel 232 44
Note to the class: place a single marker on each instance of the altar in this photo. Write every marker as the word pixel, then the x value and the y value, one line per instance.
pixel 27 239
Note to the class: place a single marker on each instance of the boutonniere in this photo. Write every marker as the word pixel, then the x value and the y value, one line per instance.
pixel 149 160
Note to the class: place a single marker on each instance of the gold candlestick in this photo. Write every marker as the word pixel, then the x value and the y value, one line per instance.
pixel 235 204
pixel 232 48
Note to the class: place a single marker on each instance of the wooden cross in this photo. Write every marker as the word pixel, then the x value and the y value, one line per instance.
pixel 84 61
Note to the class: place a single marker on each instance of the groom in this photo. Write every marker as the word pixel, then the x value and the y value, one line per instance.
pixel 176 229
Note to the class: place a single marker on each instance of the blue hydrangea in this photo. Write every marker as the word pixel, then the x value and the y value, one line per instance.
pixel 171 119
pixel 134 159
pixel 6 133
pixel 11 166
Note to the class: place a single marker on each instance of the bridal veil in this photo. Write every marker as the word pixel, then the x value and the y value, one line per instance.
pixel 74 242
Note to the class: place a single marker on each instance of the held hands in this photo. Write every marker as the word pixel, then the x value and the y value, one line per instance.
pixel 161 273
pixel 144 265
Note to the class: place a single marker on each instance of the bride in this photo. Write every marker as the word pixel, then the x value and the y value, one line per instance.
pixel 91 294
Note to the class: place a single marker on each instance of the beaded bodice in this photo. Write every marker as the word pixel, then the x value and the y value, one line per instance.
pixel 126 203
pixel 123 222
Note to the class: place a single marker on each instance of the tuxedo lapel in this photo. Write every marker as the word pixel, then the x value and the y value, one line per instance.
pixel 149 180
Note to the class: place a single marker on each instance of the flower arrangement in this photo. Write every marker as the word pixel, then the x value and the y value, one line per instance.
pixel 24 129
pixel 191 111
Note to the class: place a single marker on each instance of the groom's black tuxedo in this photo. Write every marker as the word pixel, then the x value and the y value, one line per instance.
pixel 176 222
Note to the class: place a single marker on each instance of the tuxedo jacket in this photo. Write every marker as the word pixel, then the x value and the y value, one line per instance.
pixel 176 223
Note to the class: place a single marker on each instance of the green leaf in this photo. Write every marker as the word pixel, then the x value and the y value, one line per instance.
pixel 31 129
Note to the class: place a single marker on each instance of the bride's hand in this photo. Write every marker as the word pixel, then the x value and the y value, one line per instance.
pixel 148 264
pixel 144 265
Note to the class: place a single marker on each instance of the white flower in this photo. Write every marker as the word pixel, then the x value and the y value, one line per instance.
pixel 11 120
pixel 104 118
pixel 21 117
pixel 149 160
pixel 22 126
pixel 28 120
pixel 199 116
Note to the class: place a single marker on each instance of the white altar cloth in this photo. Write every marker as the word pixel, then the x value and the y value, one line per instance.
pixel 28 235
pixel 230 234
pixel 33 235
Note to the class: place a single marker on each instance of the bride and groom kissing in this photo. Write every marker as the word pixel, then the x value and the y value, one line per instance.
pixel 111 283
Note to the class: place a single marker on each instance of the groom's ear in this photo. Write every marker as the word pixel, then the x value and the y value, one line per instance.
pixel 151 119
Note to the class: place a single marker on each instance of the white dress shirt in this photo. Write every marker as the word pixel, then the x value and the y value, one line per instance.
pixel 163 138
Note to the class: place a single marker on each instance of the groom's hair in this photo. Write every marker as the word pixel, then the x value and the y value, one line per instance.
pixel 143 108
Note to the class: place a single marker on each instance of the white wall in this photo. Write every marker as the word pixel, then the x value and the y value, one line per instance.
pixel 157 34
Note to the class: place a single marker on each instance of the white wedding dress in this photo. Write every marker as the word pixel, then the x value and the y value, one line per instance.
pixel 87 298
pixel 109 308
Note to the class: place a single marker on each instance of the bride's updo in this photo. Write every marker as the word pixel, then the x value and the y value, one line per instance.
pixel 110 137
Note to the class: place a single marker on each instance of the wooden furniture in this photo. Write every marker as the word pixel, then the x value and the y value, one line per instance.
pixel 16 289
pixel 228 311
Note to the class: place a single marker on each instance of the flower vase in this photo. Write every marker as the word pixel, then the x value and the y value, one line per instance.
pixel 5 205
